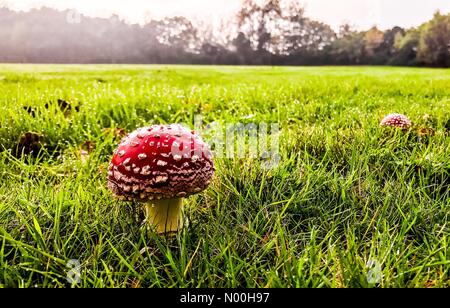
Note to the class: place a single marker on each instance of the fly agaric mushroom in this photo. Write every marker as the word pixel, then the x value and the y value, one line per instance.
pixel 159 165
pixel 396 120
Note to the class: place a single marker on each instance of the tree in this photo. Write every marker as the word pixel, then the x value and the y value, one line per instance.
pixel 380 46
pixel 257 22
pixel 390 36
pixel 434 43
pixel 243 48
pixel 406 45
pixel 348 48
pixel 179 33
pixel 301 34
pixel 372 40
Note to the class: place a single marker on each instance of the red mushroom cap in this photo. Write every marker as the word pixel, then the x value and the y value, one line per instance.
pixel 396 120
pixel 160 162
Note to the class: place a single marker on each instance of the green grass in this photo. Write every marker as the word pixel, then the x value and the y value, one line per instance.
pixel 345 192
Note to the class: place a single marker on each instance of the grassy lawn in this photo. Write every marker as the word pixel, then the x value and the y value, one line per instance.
pixel 347 202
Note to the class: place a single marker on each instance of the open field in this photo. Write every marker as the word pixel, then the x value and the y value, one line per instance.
pixel 349 205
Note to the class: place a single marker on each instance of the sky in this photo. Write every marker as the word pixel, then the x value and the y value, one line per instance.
pixel 362 14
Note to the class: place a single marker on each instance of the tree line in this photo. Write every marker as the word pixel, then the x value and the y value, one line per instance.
pixel 273 32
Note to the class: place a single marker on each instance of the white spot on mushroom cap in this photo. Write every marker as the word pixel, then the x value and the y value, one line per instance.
pixel 161 163
pixel 142 156
pixel 141 135
pixel 396 120
pixel 121 153
pixel 117 176
pixel 146 170
pixel 161 179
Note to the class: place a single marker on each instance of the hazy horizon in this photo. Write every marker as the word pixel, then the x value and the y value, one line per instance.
pixel 361 14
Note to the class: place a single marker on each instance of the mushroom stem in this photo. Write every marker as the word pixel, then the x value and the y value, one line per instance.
pixel 165 215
